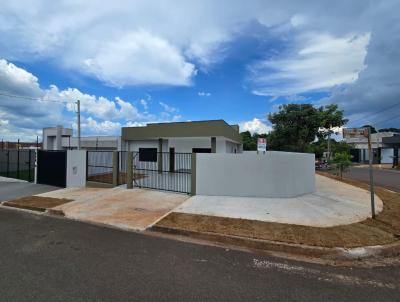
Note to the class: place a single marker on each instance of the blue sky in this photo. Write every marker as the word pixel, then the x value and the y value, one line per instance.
pixel 131 62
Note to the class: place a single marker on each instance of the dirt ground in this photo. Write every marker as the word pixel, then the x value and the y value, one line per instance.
pixel 36 203
pixel 384 229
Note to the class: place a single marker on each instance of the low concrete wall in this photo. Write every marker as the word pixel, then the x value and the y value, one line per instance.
pixel 76 168
pixel 273 174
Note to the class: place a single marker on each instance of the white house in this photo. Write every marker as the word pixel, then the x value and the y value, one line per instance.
pixel 383 146
pixel 60 138
pixel 215 136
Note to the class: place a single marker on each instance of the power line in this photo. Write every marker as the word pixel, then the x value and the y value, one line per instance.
pixel 21 97
pixel 375 113
pixel 387 120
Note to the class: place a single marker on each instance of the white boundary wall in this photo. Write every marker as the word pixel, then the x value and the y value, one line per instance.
pixel 76 168
pixel 273 174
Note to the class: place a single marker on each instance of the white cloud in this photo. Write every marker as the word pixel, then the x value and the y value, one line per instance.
pixel 99 107
pixel 91 125
pixel 25 118
pixel 255 126
pixel 143 102
pixel 167 108
pixel 321 62
pixel 138 58
pixel 296 98
pixel 203 93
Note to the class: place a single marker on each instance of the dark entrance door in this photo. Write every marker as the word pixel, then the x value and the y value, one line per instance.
pixel 171 159
pixel 52 168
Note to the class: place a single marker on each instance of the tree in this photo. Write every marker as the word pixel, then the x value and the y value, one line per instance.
pixel 320 146
pixel 295 126
pixel 331 118
pixel 391 129
pixel 250 141
pixel 341 161
pixel 373 130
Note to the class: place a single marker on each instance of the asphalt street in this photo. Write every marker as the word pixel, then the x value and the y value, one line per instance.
pixel 384 178
pixel 53 259
pixel 12 190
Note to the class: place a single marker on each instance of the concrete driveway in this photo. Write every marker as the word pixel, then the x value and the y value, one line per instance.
pixel 11 189
pixel 333 203
pixel 135 209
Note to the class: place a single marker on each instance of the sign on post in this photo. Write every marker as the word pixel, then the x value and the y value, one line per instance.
pixel 261 144
pixel 355 132
pixel 365 132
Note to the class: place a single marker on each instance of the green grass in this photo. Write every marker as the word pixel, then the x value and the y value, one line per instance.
pixel 24 174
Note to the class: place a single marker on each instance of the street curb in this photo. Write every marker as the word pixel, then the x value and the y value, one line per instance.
pixel 324 254
pixel 14 205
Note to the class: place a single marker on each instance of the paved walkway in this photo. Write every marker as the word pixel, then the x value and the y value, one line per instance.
pixel 135 209
pixel 11 188
pixel 334 203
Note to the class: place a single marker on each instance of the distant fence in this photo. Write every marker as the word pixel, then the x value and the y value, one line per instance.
pixel 18 164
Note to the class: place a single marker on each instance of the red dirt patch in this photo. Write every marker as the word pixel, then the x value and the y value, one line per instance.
pixel 36 203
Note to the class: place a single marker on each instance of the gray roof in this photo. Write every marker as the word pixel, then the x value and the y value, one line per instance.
pixel 210 128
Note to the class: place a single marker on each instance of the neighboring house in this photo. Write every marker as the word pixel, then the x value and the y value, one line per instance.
pixel 215 136
pixel 385 149
pixel 60 138
pixel 393 142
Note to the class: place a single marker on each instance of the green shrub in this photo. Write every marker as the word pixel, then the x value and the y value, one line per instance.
pixel 341 162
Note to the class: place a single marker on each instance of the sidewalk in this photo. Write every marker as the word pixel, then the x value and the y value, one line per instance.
pixel 384 230
pixel 334 203
pixel 135 209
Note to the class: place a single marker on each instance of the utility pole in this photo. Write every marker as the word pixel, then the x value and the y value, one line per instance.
pixel 371 174
pixel 329 145
pixel 78 112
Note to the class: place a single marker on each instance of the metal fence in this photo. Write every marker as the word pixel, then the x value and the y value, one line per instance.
pixel 18 164
pixel 168 171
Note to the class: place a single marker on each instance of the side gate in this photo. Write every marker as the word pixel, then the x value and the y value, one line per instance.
pixel 52 168
pixel 167 171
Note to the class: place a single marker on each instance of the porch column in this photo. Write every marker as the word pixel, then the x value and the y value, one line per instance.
pixel 115 171
pixel 129 170
pixel 160 155
pixel 213 145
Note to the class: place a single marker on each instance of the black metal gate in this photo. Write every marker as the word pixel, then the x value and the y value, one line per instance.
pixel 168 171
pixel 52 168
pixel 18 164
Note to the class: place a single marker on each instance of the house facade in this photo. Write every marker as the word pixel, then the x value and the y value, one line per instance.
pixel 384 145
pixel 60 138
pixel 214 136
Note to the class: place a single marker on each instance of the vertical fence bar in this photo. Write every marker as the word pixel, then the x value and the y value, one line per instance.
pixel 8 163
pixel 18 162
pixel 115 170
pixel 29 165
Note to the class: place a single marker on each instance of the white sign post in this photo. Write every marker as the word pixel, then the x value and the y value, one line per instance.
pixel 261 145
pixel 365 132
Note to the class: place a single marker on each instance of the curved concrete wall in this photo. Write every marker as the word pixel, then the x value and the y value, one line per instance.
pixel 273 174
